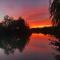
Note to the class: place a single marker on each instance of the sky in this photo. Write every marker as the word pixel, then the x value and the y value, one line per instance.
pixel 35 12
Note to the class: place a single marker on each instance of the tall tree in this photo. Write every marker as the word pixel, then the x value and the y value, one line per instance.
pixel 55 12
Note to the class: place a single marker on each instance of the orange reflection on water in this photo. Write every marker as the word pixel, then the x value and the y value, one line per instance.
pixel 40 42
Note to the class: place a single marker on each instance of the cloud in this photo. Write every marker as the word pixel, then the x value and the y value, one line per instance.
pixel 32 11
pixel 37 13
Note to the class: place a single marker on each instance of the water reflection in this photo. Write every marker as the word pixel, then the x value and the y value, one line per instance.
pixel 11 42
pixel 56 45
pixel 37 49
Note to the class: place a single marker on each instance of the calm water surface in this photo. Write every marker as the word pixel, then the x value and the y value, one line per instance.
pixel 38 48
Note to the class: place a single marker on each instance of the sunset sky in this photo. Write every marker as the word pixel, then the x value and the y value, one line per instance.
pixel 35 12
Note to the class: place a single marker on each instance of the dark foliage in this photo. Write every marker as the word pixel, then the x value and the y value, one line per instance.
pixel 14 34
pixel 12 26
pixel 57 57
pixel 55 12
pixel 11 42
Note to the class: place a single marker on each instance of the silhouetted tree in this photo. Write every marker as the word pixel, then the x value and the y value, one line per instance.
pixel 7 20
pixel 15 25
pixel 55 12
pixel 22 23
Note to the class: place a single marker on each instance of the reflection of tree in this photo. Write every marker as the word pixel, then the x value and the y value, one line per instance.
pixel 56 45
pixel 12 42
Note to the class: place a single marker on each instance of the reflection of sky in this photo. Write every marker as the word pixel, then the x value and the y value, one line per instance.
pixel 31 10
pixel 37 49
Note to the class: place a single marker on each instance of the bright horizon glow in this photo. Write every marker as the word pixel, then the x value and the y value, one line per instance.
pixel 41 26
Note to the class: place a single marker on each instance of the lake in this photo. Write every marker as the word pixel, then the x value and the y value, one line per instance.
pixel 37 47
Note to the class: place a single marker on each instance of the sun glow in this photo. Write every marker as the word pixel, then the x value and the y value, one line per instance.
pixel 41 26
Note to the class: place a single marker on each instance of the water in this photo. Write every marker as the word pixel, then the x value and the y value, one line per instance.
pixel 35 47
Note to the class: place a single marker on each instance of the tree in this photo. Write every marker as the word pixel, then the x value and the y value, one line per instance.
pixel 7 20
pixel 55 12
